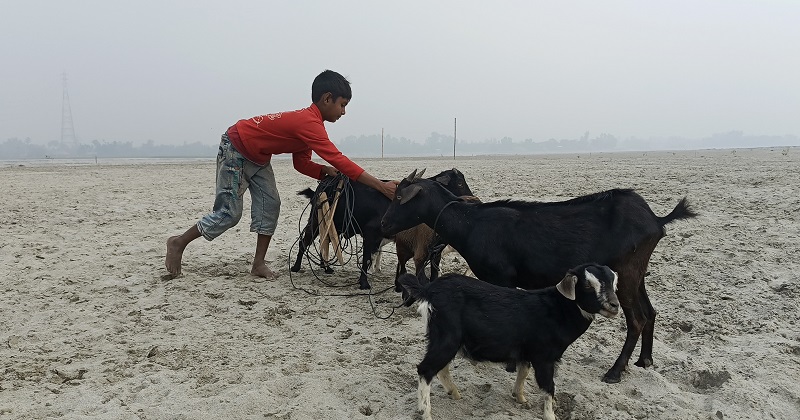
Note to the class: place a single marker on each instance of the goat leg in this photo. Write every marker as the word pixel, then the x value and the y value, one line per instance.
pixel 424 398
pixel 447 382
pixel 369 247
pixel 544 373
pixel 646 352
pixel 634 322
pixel 309 233
pixel 548 413
pixel 523 368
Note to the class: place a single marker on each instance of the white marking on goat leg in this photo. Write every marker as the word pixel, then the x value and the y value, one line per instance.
pixel 447 382
pixel 376 261
pixel 519 385
pixel 424 398
pixel 548 408
pixel 424 310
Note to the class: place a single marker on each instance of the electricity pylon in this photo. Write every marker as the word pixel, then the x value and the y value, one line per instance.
pixel 67 128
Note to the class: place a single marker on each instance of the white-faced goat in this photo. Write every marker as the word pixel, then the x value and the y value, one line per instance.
pixel 530 245
pixel 528 328
pixel 359 211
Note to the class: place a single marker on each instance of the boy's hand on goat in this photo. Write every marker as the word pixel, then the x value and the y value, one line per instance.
pixel 329 170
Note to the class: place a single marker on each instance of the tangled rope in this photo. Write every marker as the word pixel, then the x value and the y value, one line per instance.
pixel 348 244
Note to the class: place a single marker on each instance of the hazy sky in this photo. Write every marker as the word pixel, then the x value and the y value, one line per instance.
pixel 184 71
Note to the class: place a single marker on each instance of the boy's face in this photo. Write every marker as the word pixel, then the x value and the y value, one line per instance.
pixel 332 110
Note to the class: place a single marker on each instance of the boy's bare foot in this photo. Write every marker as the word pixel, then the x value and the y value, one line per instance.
pixel 263 272
pixel 174 255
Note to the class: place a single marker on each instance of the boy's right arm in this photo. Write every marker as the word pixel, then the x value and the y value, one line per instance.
pixel 386 188
pixel 317 140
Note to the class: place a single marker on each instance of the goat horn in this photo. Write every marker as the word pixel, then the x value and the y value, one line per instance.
pixel 410 178
pixel 419 175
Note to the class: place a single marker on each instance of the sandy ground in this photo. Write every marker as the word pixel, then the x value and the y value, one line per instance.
pixel 90 329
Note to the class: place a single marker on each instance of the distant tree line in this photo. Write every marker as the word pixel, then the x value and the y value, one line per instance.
pixel 442 145
pixel 15 148
pixel 370 146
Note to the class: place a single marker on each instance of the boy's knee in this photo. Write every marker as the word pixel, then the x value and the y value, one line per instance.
pixel 216 227
pixel 232 221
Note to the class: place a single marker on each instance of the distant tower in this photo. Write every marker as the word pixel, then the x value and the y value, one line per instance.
pixel 67 129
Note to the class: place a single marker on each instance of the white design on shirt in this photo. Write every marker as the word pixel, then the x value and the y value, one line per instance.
pixel 260 118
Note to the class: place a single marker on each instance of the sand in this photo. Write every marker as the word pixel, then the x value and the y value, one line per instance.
pixel 90 329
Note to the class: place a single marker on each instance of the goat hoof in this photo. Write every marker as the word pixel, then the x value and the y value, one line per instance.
pixel 364 286
pixel 611 378
pixel 520 399
pixel 328 270
pixel 295 268
pixel 645 362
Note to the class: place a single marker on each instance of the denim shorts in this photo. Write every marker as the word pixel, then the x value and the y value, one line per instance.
pixel 235 174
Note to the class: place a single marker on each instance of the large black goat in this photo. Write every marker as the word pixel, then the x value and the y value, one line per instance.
pixel 531 244
pixel 506 325
pixel 359 211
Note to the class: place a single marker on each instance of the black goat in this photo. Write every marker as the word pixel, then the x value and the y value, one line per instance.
pixel 530 244
pixel 513 326
pixel 359 211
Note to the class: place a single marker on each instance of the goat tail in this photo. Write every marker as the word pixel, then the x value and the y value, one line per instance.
pixel 682 211
pixel 308 193
pixel 412 285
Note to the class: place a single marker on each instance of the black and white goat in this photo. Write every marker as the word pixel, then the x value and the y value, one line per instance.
pixel 359 212
pixel 530 245
pixel 528 328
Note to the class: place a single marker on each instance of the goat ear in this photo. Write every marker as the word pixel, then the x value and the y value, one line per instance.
pixel 409 192
pixel 444 179
pixel 567 286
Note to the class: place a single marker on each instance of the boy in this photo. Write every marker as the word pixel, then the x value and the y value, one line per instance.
pixel 244 162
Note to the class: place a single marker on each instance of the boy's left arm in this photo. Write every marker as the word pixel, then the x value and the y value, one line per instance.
pixel 303 163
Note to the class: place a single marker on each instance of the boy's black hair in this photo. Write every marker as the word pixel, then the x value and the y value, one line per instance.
pixel 330 81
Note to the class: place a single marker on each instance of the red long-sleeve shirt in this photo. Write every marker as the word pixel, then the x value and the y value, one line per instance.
pixel 297 132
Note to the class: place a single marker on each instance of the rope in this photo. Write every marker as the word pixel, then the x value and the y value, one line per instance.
pixel 431 248
pixel 436 222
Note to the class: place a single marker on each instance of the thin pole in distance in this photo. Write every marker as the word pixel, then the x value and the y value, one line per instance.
pixel 455 128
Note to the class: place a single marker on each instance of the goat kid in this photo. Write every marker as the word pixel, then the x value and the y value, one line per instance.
pixel 528 328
